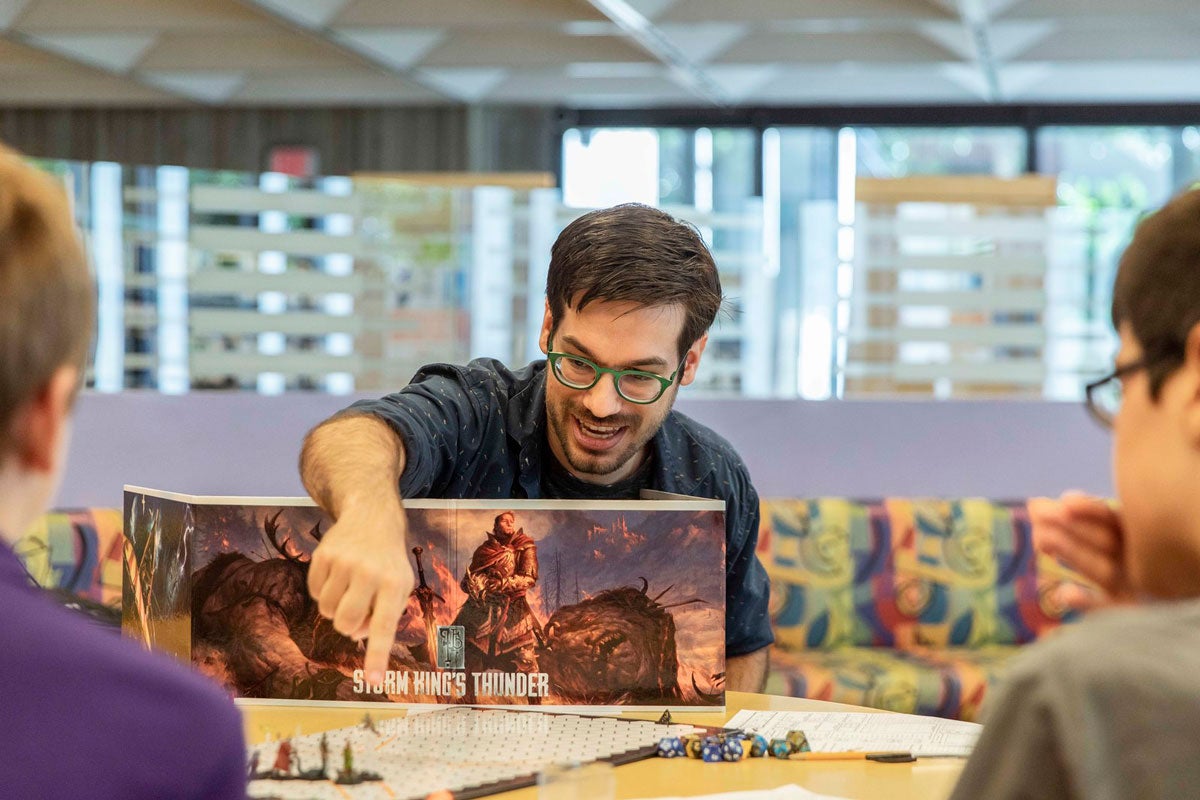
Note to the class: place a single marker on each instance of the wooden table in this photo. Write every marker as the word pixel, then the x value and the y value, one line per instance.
pixel 925 779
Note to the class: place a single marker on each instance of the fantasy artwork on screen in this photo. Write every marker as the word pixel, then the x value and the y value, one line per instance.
pixel 534 603
pixel 154 597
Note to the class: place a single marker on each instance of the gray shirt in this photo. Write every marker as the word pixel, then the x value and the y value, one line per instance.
pixel 1106 709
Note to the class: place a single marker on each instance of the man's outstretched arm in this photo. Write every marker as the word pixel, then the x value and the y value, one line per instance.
pixel 360 574
pixel 747 673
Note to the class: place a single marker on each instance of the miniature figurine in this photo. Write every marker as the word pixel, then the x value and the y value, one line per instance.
pixel 283 759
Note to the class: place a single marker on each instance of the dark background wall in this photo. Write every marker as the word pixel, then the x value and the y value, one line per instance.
pixel 353 139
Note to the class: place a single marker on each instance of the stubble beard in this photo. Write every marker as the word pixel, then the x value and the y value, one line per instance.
pixel 639 430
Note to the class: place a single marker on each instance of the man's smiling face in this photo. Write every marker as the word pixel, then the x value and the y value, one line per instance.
pixel 599 436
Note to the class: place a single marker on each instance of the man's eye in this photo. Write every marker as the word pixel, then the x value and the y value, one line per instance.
pixel 636 379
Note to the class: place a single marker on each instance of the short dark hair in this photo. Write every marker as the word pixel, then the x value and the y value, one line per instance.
pixel 1157 289
pixel 635 253
pixel 46 304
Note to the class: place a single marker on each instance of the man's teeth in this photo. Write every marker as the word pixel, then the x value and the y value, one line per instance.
pixel 600 432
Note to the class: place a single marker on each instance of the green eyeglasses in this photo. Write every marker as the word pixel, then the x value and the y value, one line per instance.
pixel 634 385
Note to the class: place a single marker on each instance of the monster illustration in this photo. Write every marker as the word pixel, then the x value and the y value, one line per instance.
pixel 257 630
pixel 617 647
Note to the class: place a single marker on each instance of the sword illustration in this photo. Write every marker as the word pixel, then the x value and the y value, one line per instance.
pixel 425 596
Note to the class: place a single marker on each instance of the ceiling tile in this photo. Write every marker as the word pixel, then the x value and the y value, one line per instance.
pixel 737 81
pixel 14 54
pixel 546 88
pixel 208 87
pixel 114 52
pixel 775 10
pixel 469 84
pixel 398 47
pixel 464 13
pixel 1138 42
pixel 522 48
pixel 1051 9
pixel 140 15
pixel 896 47
pixel 1113 82
pixel 865 84
pixel 192 51
pixel 615 69
pixel 702 42
pixel 350 87
pixel 308 13
pixel 651 9
pixel 80 87
pixel 10 10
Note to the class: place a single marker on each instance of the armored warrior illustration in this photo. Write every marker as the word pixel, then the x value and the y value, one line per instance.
pixel 502 632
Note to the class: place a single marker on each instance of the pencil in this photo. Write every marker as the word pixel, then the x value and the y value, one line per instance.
pixel 887 756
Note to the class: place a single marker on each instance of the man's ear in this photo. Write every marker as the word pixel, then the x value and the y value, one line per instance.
pixel 1190 374
pixel 691 360
pixel 547 325
pixel 40 425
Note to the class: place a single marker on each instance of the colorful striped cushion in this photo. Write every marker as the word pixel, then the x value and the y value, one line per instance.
pixel 77 550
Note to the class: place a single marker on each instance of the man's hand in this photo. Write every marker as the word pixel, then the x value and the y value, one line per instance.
pixel 361 577
pixel 1087 534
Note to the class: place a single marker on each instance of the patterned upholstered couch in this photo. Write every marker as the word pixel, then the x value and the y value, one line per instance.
pixel 905 604
pixel 78 551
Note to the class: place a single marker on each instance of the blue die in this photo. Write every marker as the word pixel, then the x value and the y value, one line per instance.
pixel 732 750
pixel 671 747
pixel 711 753
pixel 758 746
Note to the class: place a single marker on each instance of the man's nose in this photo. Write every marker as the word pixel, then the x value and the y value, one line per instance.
pixel 602 400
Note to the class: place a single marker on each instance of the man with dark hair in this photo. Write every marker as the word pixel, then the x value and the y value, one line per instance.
pixel 86 713
pixel 1110 707
pixel 631 293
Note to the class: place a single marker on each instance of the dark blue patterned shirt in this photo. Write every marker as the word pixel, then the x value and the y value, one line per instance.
pixel 478 432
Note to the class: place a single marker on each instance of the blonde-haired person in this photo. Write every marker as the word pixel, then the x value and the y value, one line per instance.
pixel 87 714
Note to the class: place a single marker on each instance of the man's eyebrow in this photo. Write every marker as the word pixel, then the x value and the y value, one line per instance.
pixel 638 364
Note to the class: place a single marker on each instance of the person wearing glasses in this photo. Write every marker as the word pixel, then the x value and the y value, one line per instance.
pixel 1110 707
pixel 630 295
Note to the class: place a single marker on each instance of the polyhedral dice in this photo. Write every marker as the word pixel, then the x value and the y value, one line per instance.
pixel 758 746
pixel 732 750
pixel 711 753
pixel 798 741
pixel 671 747
pixel 781 748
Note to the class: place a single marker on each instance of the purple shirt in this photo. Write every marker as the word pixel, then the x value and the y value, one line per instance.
pixel 85 713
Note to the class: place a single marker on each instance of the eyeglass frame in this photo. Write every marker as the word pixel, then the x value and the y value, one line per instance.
pixel 1120 373
pixel 553 358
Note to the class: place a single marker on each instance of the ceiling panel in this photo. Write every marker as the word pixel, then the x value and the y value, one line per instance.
pixel 782 10
pixel 836 47
pixel 466 13
pixel 876 84
pixel 80 87
pixel 566 52
pixel 1137 42
pixel 346 87
pixel 1042 9
pixel 519 48
pixel 139 15
pixel 266 51
pixel 16 54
